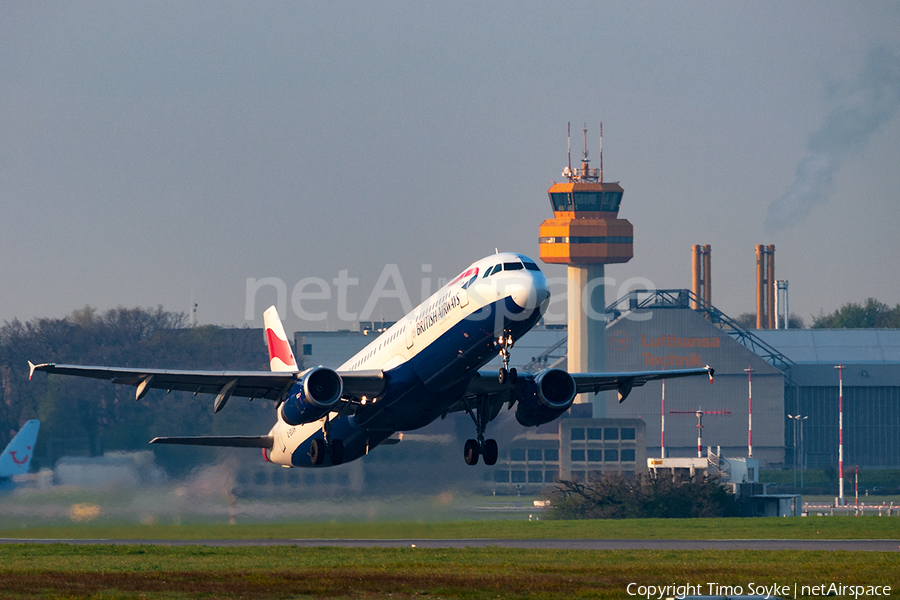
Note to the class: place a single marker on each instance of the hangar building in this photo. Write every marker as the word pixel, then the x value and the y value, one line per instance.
pixel 792 372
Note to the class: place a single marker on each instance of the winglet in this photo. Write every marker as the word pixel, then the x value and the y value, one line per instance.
pixel 711 372
pixel 281 357
pixel 31 367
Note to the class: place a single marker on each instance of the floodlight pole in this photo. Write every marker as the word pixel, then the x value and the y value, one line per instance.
pixel 840 369
pixel 802 448
pixel 798 419
pixel 749 371
pixel 662 425
pixel 792 418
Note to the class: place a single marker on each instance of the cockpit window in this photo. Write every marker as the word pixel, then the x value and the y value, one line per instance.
pixel 490 270
pixel 530 265
pixel 513 266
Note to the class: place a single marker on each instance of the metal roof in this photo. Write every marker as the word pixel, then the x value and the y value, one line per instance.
pixel 833 346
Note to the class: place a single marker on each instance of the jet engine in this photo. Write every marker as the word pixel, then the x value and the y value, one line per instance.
pixel 548 396
pixel 315 393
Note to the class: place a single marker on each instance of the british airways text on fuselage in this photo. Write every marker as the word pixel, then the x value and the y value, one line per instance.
pixel 436 311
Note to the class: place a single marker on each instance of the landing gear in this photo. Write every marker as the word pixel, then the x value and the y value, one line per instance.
pixel 480 446
pixel 490 452
pixel 505 341
pixel 337 452
pixel 317 451
pixel 319 447
pixel 487 449
pixel 471 452
pixel 507 376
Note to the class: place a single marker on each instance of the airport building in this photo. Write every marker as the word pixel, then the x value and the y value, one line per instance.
pixel 774 402
pixel 762 377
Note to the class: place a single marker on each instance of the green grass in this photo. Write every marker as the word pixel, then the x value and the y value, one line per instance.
pixel 64 571
pixel 161 572
pixel 164 572
pixel 750 528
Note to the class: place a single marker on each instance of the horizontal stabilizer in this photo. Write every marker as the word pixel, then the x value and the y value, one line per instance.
pixel 227 441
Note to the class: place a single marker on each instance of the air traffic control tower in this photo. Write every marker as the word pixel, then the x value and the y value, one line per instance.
pixel 586 234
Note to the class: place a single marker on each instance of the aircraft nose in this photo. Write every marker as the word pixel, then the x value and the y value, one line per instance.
pixel 530 293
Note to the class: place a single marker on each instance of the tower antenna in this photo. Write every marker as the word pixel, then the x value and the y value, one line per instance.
pixel 585 144
pixel 569 173
pixel 601 151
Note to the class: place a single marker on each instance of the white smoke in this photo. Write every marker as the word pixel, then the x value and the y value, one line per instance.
pixel 861 108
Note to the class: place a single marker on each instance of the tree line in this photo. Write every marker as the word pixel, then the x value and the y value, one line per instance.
pixel 870 314
pixel 89 417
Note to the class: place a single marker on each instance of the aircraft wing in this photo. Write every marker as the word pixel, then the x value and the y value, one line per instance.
pixel 625 382
pixel 485 383
pixel 272 385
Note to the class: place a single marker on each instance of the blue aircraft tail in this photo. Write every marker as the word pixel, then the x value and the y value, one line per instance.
pixel 16 459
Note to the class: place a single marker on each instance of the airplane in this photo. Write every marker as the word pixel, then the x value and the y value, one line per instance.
pixel 422 368
pixel 16 458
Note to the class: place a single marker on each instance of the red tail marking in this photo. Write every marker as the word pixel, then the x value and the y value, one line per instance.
pixel 279 348
pixel 12 453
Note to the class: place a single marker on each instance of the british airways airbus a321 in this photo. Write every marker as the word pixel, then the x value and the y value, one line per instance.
pixel 422 368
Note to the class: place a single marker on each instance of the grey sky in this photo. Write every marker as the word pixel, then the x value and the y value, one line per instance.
pixel 155 150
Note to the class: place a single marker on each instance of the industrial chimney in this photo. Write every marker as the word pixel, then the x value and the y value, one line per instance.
pixel 765 286
pixel 701 267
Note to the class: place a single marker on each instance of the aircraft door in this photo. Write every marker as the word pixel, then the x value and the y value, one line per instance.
pixel 464 290
pixel 410 334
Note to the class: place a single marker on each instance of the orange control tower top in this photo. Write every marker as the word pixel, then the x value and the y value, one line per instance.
pixel 586 228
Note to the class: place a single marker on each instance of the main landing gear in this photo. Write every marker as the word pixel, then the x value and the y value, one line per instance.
pixel 480 446
pixel 505 341
pixel 319 447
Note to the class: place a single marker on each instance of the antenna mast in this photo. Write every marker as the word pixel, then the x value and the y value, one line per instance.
pixel 601 151
pixel 585 160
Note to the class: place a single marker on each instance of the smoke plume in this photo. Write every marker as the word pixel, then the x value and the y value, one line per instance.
pixel 861 107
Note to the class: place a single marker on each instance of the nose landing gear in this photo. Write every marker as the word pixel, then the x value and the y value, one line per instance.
pixel 505 341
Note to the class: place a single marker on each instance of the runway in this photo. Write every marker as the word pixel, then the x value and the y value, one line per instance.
pixel 831 545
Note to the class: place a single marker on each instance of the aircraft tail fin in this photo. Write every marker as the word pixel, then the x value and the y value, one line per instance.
pixel 16 459
pixel 281 357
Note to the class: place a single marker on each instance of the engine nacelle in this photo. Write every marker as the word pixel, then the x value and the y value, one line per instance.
pixel 550 395
pixel 316 392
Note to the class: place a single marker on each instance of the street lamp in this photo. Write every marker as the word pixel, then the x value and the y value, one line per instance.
pixel 798 419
